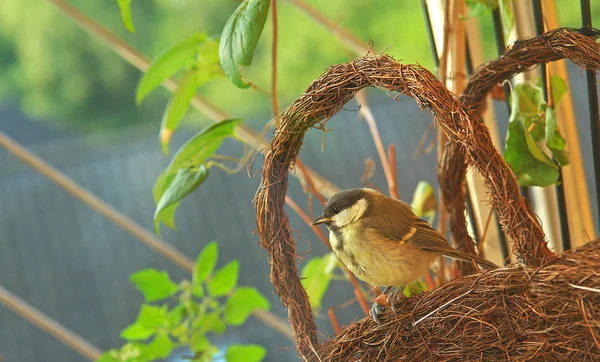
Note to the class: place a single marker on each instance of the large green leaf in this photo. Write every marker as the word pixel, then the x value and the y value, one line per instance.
pixel 155 285
pixel 205 263
pixel 529 169
pixel 177 107
pixel 316 276
pixel 240 36
pixel 243 302
pixel 160 347
pixel 202 146
pixel 125 8
pixel 245 353
pixel 167 63
pixel 224 279
pixel 182 184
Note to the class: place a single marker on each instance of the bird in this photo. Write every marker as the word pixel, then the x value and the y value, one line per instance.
pixel 381 240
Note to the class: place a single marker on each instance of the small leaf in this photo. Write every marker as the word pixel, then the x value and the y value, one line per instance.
pixel 203 145
pixel 167 216
pixel 147 323
pixel 224 279
pixel 175 315
pixel 240 37
pixel 210 322
pixel 177 107
pixel 160 347
pixel 125 7
pixel 550 124
pixel 480 7
pixel 134 352
pixel 199 342
pixel 167 63
pixel 243 302
pixel 424 202
pixel 208 66
pixel 109 356
pixel 315 280
pixel 205 263
pixel 185 182
pixel 245 353
pixel 559 88
pixel 561 156
pixel 153 284
pixel 506 13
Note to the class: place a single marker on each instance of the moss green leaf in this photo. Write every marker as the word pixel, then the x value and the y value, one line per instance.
pixel 168 63
pixel 316 277
pixel 245 353
pixel 177 107
pixel 205 263
pixel 125 8
pixel 202 146
pixel 160 347
pixel 243 302
pixel 155 285
pixel 182 184
pixel 240 37
pixel 224 279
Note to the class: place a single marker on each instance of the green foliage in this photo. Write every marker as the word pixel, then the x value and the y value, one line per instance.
pixel 125 7
pixel 531 129
pixel 485 7
pixel 424 203
pixel 240 37
pixel 187 170
pixel 182 318
pixel 316 276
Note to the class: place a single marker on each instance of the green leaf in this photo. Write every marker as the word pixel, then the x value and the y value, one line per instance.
pixel 203 145
pixel 147 323
pixel 205 263
pixel 561 156
pixel 529 169
pixel 182 184
pixel 559 88
pixel 245 353
pixel 199 342
pixel 208 66
pixel 210 322
pixel 240 37
pixel 109 356
pixel 550 124
pixel 125 7
pixel 177 107
pixel 481 7
pixel 167 63
pixel 243 302
pixel 506 13
pixel 153 284
pixel 133 352
pixel 175 315
pixel 160 347
pixel 167 215
pixel 224 279
pixel 424 202
pixel 316 278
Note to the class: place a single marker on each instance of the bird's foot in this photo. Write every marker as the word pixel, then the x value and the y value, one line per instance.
pixel 376 312
pixel 395 298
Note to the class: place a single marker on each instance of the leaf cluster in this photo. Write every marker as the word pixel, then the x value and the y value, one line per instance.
pixel 186 314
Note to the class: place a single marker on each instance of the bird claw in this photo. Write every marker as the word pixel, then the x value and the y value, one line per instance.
pixel 394 298
pixel 376 312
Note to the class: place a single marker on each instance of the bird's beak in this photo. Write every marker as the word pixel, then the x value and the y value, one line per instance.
pixel 321 219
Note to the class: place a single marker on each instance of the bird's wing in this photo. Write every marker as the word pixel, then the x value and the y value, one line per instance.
pixel 427 238
pixel 396 223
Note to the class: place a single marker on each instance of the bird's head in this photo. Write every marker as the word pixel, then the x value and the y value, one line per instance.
pixel 345 207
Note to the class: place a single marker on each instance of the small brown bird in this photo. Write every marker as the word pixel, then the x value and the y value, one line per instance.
pixel 382 242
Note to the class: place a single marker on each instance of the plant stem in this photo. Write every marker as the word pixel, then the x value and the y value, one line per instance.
pixel 274 102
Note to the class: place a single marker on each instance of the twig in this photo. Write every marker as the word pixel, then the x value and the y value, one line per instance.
pixel 394 181
pixel 49 325
pixel 365 111
pixel 334 321
pixel 308 178
pixel 274 101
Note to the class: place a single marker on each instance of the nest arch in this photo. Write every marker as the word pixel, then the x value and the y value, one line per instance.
pixel 467 133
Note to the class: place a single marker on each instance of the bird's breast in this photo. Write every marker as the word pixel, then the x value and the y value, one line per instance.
pixel 379 261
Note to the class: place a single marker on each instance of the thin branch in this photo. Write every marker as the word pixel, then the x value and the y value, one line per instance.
pixel 308 178
pixel 394 181
pixel 334 321
pixel 49 325
pixel 365 111
pixel 121 220
pixel 274 102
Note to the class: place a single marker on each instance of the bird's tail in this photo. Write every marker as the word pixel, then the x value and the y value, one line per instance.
pixel 470 257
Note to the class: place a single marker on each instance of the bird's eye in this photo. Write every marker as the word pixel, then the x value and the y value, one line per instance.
pixel 336 210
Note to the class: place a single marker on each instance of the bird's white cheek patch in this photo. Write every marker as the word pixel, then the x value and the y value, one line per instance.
pixel 351 214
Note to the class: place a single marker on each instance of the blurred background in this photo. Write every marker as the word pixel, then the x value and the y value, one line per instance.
pixel 70 100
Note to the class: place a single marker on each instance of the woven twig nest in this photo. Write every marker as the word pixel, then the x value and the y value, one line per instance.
pixel 546 310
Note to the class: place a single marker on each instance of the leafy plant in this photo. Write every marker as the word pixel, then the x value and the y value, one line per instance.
pixel 533 135
pixel 187 314
pixel 485 7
